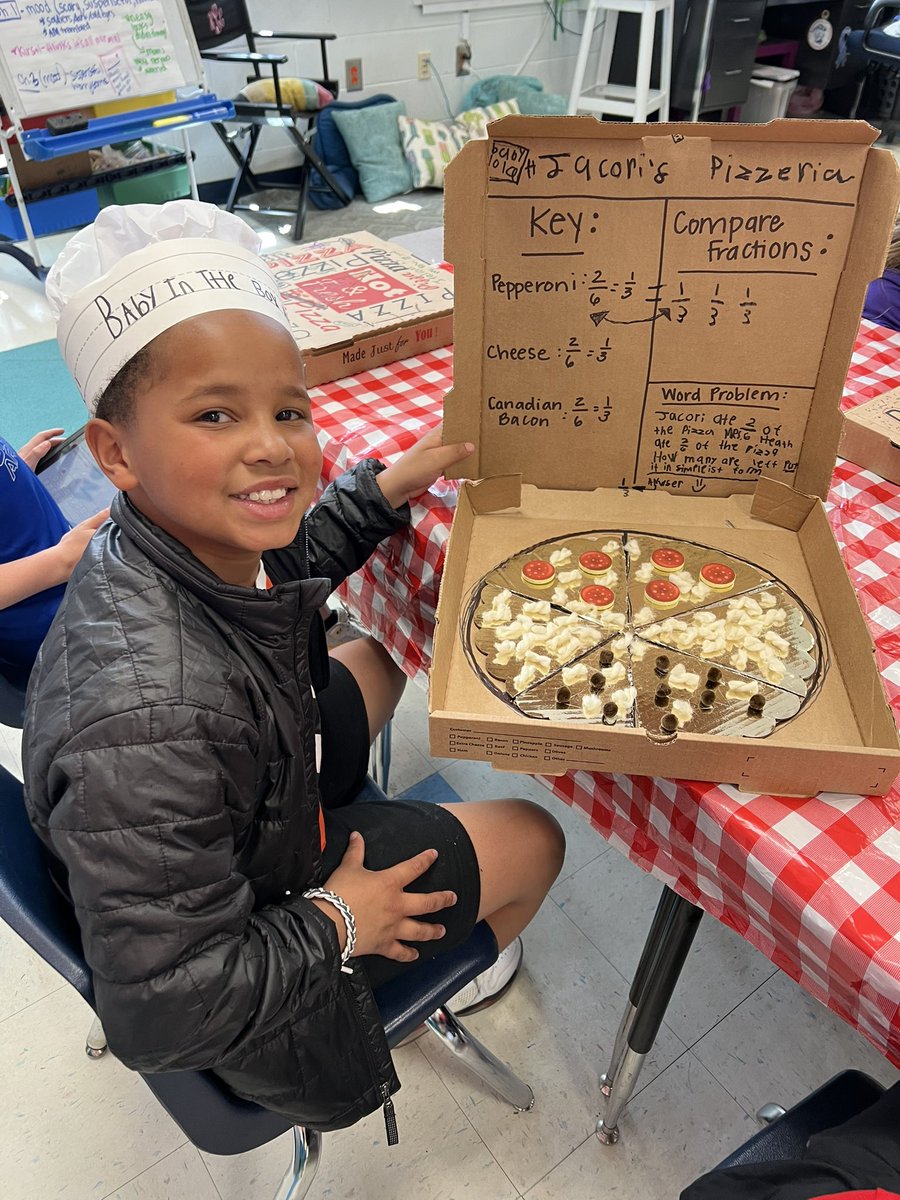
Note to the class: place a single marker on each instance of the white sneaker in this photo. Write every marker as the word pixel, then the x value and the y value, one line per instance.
pixel 491 984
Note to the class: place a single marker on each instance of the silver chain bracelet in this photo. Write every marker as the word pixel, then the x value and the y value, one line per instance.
pixel 349 923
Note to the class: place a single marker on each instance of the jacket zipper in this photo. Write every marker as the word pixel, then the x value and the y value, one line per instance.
pixel 390 1116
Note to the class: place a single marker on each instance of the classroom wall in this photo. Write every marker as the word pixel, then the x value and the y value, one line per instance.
pixel 388 36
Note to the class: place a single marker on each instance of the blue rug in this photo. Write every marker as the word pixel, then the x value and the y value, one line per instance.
pixel 37 392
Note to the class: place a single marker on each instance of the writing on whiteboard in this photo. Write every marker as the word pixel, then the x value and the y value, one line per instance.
pixel 63 53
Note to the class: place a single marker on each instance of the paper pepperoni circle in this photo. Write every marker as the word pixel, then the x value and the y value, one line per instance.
pixel 598 596
pixel 666 559
pixel 595 562
pixel 662 593
pixel 538 572
pixel 717 575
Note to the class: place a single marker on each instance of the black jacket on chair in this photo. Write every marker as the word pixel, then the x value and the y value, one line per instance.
pixel 170 765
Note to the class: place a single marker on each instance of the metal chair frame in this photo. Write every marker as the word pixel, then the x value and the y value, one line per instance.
pixel 241 134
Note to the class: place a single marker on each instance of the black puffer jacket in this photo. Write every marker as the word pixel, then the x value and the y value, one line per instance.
pixel 170 765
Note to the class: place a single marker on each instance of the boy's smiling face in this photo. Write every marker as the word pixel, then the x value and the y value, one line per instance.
pixel 220 451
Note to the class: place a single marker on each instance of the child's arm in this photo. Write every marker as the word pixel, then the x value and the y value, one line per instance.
pixel 27 576
pixel 359 510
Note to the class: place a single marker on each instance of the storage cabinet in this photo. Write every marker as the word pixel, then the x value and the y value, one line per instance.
pixel 732 53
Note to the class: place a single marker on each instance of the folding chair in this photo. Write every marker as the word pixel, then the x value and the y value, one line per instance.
pixel 217 23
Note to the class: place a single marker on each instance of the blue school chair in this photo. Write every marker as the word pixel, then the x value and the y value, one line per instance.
pixel 12 703
pixel 785 1133
pixel 210 1116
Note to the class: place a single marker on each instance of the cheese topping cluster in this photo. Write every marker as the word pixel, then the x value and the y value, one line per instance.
pixel 746 636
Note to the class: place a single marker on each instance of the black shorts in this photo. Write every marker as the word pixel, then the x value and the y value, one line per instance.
pixel 344 726
pixel 394 830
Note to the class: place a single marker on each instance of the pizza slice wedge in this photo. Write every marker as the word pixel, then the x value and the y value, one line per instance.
pixel 670 576
pixel 594 688
pixel 767 634
pixel 675 690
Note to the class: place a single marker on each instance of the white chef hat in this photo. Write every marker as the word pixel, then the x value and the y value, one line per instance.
pixel 142 268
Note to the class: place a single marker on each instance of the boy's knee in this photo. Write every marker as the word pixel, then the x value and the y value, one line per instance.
pixel 547 833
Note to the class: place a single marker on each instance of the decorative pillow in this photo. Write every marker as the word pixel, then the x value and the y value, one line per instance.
pixel 303 95
pixel 543 104
pixel 476 119
pixel 429 146
pixel 332 150
pixel 372 137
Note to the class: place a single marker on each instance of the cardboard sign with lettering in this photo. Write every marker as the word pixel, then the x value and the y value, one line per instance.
pixel 658 318
pixel 356 302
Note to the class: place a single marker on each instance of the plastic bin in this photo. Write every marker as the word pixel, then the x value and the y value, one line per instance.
pixel 51 215
pixel 155 187
pixel 770 93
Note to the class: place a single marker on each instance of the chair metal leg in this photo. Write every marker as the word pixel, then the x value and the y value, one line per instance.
pixel 769 1113
pixel 479 1059
pixel 95 1046
pixel 298 1178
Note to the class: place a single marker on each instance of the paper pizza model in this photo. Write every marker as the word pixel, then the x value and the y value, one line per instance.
pixel 663 634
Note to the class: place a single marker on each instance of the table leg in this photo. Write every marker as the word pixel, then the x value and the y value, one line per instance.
pixel 668 942
pixel 661 919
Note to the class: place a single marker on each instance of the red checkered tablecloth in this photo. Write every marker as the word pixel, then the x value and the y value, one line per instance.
pixel 814 884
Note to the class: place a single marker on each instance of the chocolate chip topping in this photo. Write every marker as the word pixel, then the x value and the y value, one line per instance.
pixel 563 696
pixel 598 682
pixel 669 723
pixel 713 676
pixel 610 710
pixel 606 658
pixel 662 664
pixel 707 699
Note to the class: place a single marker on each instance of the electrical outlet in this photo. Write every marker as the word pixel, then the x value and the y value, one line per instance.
pixel 353 74
pixel 425 64
pixel 463 58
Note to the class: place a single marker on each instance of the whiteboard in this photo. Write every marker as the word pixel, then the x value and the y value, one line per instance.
pixel 63 54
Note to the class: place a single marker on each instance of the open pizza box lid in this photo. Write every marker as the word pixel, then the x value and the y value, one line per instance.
pixel 654 325
pixel 661 306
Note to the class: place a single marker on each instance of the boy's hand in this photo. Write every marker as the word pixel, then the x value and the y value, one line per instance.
pixel 73 544
pixel 42 443
pixel 419 467
pixel 385 914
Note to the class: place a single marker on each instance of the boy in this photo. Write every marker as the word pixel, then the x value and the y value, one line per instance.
pixel 170 746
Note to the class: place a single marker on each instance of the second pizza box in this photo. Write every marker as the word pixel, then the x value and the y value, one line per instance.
pixel 871 435
pixel 658 325
pixel 357 302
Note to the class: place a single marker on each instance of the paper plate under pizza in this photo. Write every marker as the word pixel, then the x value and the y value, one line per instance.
pixel 638 629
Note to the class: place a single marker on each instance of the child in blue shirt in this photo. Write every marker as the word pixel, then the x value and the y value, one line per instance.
pixel 38 552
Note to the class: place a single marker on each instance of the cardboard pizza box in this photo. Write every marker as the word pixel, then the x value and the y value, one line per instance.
pixel 871 435
pixel 357 302
pixel 659 321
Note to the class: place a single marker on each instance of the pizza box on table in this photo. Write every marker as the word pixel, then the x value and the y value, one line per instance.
pixel 357 302
pixel 871 436
pixel 659 321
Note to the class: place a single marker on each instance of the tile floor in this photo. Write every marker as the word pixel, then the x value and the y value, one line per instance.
pixel 738 1034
